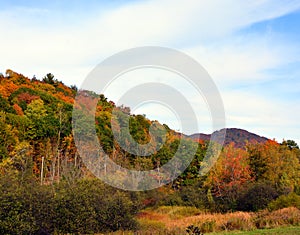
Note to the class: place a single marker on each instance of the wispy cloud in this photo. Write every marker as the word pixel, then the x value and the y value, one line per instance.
pixel 38 37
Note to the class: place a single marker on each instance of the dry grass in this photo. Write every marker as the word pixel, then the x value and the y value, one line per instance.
pixel 285 216
pixel 174 220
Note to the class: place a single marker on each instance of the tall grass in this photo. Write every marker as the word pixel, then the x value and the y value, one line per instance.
pixel 175 220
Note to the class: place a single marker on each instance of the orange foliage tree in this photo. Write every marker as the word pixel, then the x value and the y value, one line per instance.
pixel 230 175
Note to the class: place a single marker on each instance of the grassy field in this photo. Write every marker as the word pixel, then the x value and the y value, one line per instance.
pixel 275 231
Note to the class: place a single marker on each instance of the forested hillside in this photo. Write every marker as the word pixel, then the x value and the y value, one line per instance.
pixel 36 126
pixel 46 188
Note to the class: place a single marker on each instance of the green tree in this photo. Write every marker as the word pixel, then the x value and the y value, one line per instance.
pixel 49 78
pixel 290 143
pixel 5 106
pixel 36 113
pixel 277 164
pixel 7 137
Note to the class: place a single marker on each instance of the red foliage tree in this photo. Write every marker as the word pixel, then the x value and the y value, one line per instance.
pixel 231 174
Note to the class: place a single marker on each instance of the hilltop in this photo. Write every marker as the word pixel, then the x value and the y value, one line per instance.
pixel 233 135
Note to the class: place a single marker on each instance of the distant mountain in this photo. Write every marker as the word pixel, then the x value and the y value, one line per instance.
pixel 238 136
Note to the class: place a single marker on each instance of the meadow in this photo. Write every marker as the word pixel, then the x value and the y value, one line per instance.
pixel 176 220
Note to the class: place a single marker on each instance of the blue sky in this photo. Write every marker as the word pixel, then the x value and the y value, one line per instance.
pixel 250 48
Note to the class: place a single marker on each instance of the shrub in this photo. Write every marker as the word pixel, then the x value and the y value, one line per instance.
pixel 85 207
pixel 185 211
pixel 290 200
pixel 193 230
pixel 208 226
pixel 89 206
pixel 25 209
pixel 257 197
pixel 172 199
pixel 194 196
pixel 152 226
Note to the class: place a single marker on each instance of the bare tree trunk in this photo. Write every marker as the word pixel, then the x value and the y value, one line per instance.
pixel 42 171
pixel 58 142
pixel 53 170
pixel 75 163
pixel 58 165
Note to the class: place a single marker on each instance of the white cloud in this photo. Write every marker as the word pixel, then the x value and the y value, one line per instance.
pixel 262 115
pixel 156 110
pixel 37 40
pixel 245 59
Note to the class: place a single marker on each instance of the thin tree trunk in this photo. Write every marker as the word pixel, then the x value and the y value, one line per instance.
pixel 58 142
pixel 42 171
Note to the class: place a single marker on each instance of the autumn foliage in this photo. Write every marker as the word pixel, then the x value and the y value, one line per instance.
pixel 37 146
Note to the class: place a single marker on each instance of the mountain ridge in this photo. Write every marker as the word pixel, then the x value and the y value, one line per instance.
pixel 233 135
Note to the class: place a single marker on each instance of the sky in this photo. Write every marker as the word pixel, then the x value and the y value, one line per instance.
pixel 250 48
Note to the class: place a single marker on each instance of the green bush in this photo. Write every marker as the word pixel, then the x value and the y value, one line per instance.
pixel 152 226
pixel 25 208
pixel 290 200
pixel 173 199
pixel 87 206
pixel 194 196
